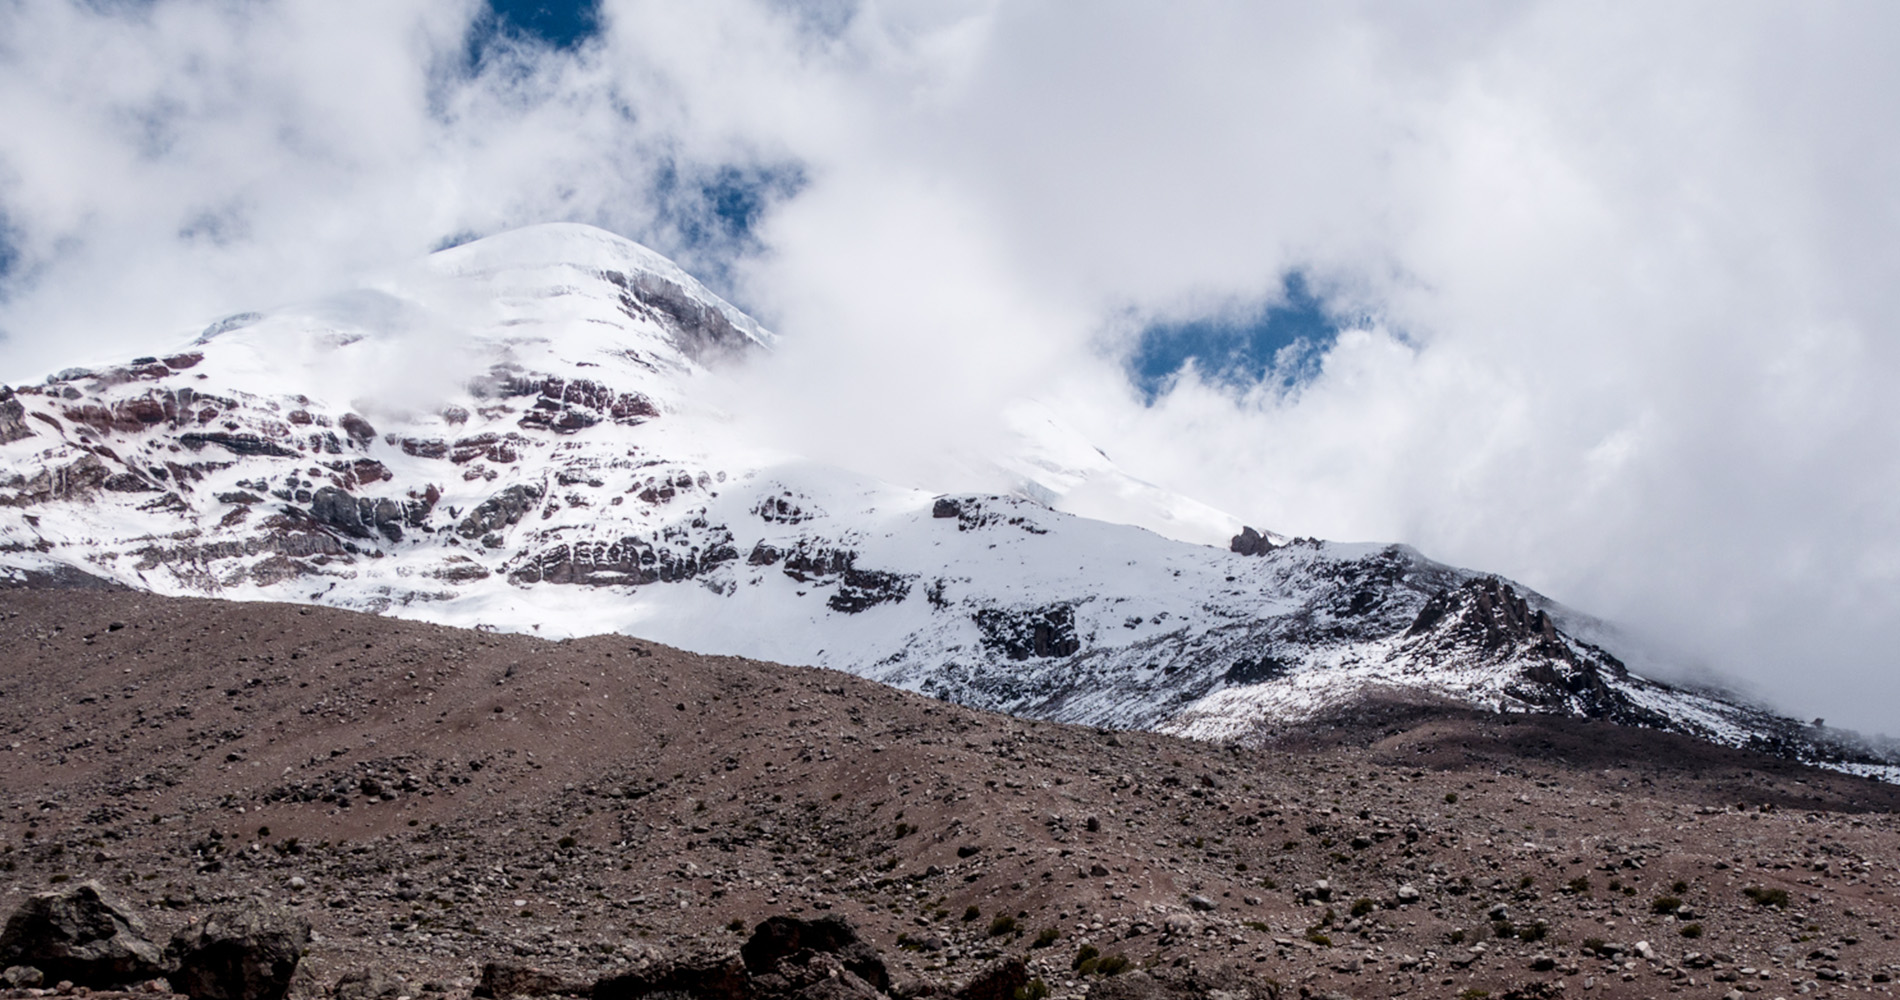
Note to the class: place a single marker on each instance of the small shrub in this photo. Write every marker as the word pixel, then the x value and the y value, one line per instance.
pixel 1088 953
pixel 1593 944
pixel 1361 907
pixel 1533 932
pixel 1679 887
pixel 1003 924
pixel 971 913
pixel 566 843
pixel 903 830
pixel 1502 930
pixel 1035 989
pixel 1046 937
pixel 1690 931
pixel 737 926
pixel 1473 993
pixel 1451 798
pixel 1616 885
pixel 1319 937
pixel 1579 886
pixel 1777 898
pixel 1665 904
pixel 1457 936
pixel 1525 882
pixel 1111 964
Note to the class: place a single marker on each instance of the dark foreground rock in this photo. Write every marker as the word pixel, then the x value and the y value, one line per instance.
pixel 247 954
pixel 82 936
pixel 714 977
pixel 778 939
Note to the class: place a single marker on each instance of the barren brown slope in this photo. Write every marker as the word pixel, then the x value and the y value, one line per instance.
pixel 434 798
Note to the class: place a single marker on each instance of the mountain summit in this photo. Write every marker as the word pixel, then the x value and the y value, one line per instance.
pixel 520 433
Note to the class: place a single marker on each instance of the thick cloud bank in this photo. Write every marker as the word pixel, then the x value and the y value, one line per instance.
pixel 1626 273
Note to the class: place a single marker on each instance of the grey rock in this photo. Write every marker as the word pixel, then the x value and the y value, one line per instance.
pixel 247 954
pixel 80 934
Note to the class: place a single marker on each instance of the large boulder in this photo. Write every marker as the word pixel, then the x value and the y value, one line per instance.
pixel 998 982
pixel 80 934
pixel 717 977
pixel 502 980
pixel 777 939
pixel 248 954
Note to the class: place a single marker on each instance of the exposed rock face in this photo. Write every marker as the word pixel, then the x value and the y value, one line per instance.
pixel 358 517
pixel 779 939
pixel 998 982
pixel 700 331
pixel 499 511
pixel 501 980
pixel 81 935
pixel 1021 634
pixel 1486 620
pixel 357 428
pixel 370 984
pixel 247 954
pixel 718 977
pixel 12 418
pixel 631 560
pixel 1250 543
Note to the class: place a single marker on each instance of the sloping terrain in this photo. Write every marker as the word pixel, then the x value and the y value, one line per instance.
pixel 526 433
pixel 435 798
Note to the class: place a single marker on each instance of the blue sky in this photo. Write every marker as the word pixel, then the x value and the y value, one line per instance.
pixel 1279 342
pixel 560 23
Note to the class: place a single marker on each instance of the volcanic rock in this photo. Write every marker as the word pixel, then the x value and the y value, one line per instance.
pixel 81 935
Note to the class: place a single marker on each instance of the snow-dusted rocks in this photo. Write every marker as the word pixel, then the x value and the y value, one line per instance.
pixel 520 433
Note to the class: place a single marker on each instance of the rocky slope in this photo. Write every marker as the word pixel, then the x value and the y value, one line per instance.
pixel 432 800
pixel 522 433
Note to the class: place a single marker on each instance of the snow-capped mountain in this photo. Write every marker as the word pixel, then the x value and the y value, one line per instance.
pixel 521 433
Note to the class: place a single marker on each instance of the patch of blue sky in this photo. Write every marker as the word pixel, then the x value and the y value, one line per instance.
pixel 1281 342
pixel 563 24
pixel 709 215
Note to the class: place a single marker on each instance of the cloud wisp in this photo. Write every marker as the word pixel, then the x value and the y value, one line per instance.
pixel 1618 280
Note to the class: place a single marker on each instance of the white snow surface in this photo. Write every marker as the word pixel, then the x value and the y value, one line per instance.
pixel 571 370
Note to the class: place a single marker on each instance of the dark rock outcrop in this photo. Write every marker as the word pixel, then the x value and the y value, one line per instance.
pixel 1033 632
pixel 368 984
pixel 246 954
pixel 998 982
pixel 80 934
pixel 358 517
pixel 499 511
pixel 1250 543
pixel 716 977
pixel 501 980
pixel 12 417
pixel 628 561
pixel 778 939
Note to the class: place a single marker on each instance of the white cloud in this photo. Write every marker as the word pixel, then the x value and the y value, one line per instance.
pixel 1632 265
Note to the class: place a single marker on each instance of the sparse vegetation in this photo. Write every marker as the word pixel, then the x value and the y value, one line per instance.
pixel 970 913
pixel 1361 907
pixel 1665 904
pixel 1690 930
pixel 1046 937
pixel 1003 924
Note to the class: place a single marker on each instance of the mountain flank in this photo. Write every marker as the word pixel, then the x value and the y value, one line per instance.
pixel 437 801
